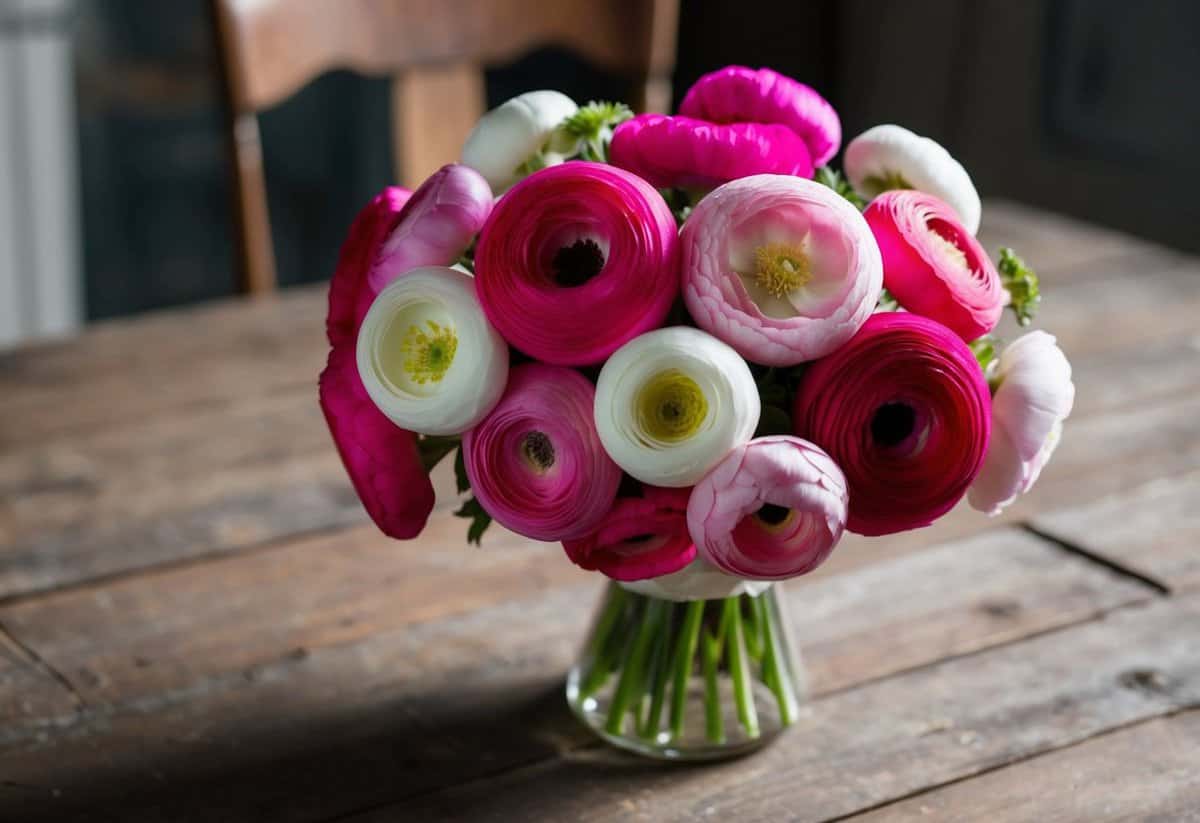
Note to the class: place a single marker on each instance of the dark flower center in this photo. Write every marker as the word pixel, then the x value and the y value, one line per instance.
pixel 538 450
pixel 639 538
pixel 577 263
pixel 771 514
pixel 892 424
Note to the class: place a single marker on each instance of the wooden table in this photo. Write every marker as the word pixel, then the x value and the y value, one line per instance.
pixel 199 622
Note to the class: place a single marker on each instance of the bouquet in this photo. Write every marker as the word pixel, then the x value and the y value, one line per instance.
pixel 692 352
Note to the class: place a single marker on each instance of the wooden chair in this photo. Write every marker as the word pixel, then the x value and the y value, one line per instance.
pixel 435 50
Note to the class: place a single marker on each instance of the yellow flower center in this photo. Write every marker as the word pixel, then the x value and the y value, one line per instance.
pixel 890 179
pixel 428 353
pixel 949 251
pixel 780 268
pixel 670 407
pixel 774 519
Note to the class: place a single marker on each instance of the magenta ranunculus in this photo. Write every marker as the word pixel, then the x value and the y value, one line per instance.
pixel 772 509
pixel 782 269
pixel 349 294
pixel 641 537
pixel 933 265
pixel 535 462
pixel 736 94
pixel 381 458
pixel 576 260
pixel 694 154
pixel 904 411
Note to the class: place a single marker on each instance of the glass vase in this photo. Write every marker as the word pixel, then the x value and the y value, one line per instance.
pixel 693 680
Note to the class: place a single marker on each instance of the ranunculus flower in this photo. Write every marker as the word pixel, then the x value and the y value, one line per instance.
pixel 782 269
pixel 535 463
pixel 904 411
pixel 508 137
pixel 427 355
pixel 694 154
pixel 736 94
pixel 892 157
pixel 641 537
pixel 672 403
pixel 381 459
pixel 436 225
pixel 349 293
pixel 1034 394
pixel 699 580
pixel 772 509
pixel 932 265
pixel 576 260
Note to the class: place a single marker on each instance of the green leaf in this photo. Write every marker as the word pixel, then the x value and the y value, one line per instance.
pixel 986 349
pixel 833 179
pixel 773 420
pixel 461 481
pixel 591 121
pixel 887 302
pixel 433 449
pixel 480 519
pixel 1022 284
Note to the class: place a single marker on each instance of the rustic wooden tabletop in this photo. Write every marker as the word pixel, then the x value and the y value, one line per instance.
pixel 197 621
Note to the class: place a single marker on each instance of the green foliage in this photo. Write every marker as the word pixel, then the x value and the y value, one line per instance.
pixel 461 481
pixel 432 449
pixel 587 133
pixel 887 302
pixel 833 179
pixel 986 349
pixel 1022 284
pixel 480 519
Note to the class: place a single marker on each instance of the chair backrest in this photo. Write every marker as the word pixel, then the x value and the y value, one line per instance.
pixel 435 50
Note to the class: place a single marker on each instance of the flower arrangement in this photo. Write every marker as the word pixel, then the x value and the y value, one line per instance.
pixel 693 353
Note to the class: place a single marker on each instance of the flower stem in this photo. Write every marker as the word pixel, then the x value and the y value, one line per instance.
pixel 660 674
pixel 778 682
pixel 710 653
pixel 632 681
pixel 681 663
pixel 605 641
pixel 739 668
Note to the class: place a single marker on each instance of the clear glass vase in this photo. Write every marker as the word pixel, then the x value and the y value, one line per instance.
pixel 695 680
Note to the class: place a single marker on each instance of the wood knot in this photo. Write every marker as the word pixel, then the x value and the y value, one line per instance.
pixel 1144 680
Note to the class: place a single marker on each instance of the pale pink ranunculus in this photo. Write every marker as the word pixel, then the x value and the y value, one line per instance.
pixel 782 269
pixel 1033 396
pixel 774 508
pixel 737 94
pixel 576 260
pixel 380 457
pixel 933 265
pixel 535 462
pixel 682 152
pixel 641 537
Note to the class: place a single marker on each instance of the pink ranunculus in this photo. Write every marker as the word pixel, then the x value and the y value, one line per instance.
pixel 933 265
pixel 694 154
pixel 1034 395
pixel 349 293
pixel 535 462
pixel 736 94
pixel 576 260
pixel 381 458
pixel 772 509
pixel 782 269
pixel 904 411
pixel 641 537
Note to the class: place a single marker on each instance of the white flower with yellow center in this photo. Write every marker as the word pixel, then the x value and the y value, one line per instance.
pixel 671 403
pixel 428 357
pixel 892 157
pixel 511 140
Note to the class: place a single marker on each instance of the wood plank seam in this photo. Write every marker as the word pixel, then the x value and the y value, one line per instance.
pixel 42 665
pixel 1095 557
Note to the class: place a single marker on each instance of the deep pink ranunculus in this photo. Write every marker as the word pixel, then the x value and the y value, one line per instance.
pixel 774 508
pixel 694 154
pixel 933 265
pixel 535 462
pixel 640 538
pixel 736 94
pixel 381 458
pixel 576 260
pixel 904 410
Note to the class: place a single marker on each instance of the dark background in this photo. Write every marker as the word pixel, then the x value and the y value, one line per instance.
pixel 1087 107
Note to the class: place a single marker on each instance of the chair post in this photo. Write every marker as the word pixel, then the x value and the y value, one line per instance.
pixel 257 270
pixel 433 108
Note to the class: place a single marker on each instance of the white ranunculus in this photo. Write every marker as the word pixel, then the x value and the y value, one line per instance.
pixel 672 403
pixel 508 136
pixel 892 157
pixel 697 581
pixel 428 357
pixel 1033 397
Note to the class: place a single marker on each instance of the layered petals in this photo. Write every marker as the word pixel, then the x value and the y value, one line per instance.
pixel 535 463
pixel 576 260
pixel 1034 395
pixel 427 356
pixel 933 265
pixel 699 580
pixel 904 411
pixel 381 458
pixel 773 509
pixel 672 403
pixel 508 137
pixel 783 269
pixel 892 157
pixel 736 94
pixel 641 537
pixel 680 152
